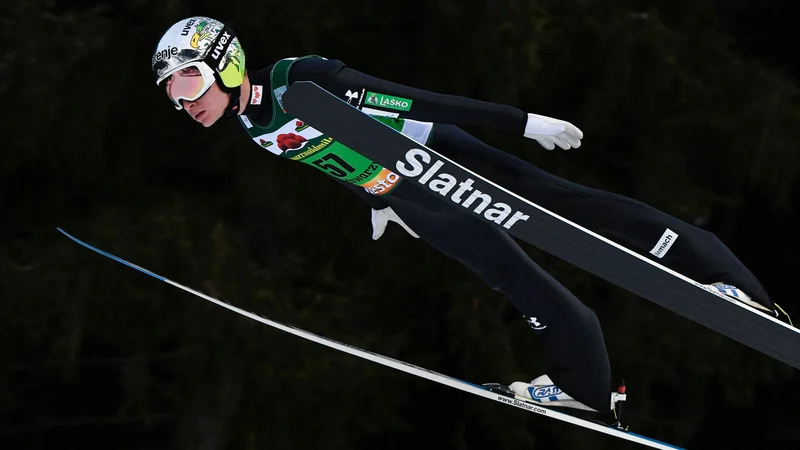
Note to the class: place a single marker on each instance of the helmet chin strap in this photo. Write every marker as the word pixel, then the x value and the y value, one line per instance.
pixel 233 97
pixel 233 102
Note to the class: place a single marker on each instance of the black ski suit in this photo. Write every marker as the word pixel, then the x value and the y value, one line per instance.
pixel 570 332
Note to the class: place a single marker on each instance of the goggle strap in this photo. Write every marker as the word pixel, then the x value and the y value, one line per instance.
pixel 218 49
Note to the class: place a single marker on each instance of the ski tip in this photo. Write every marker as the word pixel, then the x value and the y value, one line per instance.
pixel 68 235
pixel 111 256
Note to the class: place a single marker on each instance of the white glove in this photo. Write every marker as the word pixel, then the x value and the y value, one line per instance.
pixel 550 132
pixel 382 217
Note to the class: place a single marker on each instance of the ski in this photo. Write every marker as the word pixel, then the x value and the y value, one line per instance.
pixel 542 228
pixel 411 369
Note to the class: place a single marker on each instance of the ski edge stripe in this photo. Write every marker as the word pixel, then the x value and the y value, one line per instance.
pixel 394 363
pixel 115 258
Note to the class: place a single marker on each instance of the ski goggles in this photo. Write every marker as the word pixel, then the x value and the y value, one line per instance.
pixel 188 83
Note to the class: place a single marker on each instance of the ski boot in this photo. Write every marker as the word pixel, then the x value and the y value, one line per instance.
pixel 737 294
pixel 542 390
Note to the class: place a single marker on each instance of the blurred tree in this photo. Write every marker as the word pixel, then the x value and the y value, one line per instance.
pixel 94 352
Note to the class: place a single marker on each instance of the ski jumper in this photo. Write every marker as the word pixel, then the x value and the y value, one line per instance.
pixel 568 330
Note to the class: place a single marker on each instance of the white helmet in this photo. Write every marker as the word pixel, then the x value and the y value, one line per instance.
pixel 203 50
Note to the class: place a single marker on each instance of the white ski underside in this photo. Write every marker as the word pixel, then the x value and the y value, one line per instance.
pixel 465 386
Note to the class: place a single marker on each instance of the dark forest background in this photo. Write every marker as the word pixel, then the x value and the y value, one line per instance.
pixel 691 106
